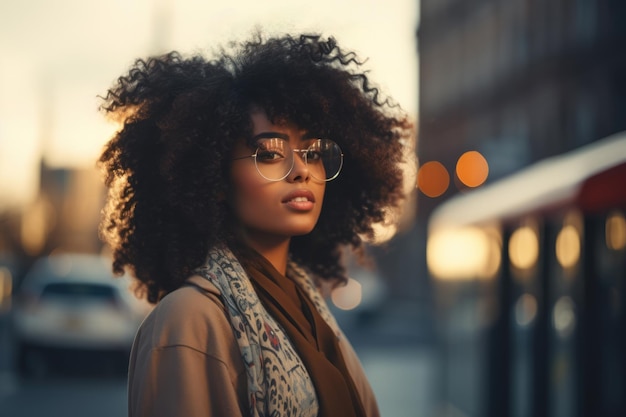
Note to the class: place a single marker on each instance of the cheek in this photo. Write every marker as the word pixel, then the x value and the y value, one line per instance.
pixel 321 192
pixel 247 192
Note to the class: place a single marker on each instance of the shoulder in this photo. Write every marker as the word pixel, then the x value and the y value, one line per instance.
pixel 187 341
pixel 192 316
pixel 355 368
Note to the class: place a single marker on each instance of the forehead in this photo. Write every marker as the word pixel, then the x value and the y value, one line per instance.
pixel 262 123
pixel 263 128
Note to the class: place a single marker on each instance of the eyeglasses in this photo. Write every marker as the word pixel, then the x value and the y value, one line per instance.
pixel 274 158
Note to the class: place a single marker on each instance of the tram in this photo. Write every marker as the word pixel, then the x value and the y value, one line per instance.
pixel 529 278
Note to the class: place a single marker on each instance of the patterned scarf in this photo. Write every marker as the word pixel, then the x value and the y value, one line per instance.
pixel 293 363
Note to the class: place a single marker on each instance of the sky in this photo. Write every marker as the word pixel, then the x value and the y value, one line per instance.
pixel 57 56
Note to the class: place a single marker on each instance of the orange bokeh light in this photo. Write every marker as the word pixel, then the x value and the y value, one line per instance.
pixel 472 169
pixel 433 179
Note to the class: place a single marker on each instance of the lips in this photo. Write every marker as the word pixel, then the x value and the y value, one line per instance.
pixel 300 200
pixel 299 196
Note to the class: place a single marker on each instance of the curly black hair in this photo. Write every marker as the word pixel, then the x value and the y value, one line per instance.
pixel 167 168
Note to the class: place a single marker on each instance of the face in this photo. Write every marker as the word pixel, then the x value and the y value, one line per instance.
pixel 269 210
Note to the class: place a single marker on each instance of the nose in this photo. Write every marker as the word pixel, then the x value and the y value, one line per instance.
pixel 300 171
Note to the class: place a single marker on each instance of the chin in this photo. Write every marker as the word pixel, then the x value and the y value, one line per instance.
pixel 301 230
pixel 301 233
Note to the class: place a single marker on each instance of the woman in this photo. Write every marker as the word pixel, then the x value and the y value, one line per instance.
pixel 234 184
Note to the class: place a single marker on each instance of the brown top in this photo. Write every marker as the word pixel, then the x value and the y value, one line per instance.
pixel 186 362
pixel 315 341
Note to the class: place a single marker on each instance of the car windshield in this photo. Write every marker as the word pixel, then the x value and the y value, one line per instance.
pixel 95 292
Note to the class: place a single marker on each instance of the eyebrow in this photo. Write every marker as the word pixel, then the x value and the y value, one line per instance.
pixel 271 135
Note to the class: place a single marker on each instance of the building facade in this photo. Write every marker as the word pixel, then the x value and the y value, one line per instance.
pixel 517 80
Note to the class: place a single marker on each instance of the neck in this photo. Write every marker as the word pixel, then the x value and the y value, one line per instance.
pixel 276 250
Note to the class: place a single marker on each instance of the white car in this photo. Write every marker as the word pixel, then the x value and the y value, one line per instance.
pixel 70 306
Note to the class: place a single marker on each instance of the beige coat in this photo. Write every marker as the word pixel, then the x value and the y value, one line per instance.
pixel 185 361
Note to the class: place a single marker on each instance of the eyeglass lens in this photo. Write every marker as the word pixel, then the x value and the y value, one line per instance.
pixel 275 158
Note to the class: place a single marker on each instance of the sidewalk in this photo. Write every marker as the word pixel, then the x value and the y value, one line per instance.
pixel 403 379
pixel 396 346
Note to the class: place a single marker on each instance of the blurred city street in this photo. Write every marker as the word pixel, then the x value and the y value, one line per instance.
pixel 501 292
pixel 403 379
pixel 397 358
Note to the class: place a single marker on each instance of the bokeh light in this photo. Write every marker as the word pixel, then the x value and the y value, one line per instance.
pixel 472 169
pixel 433 179
pixel 461 254
pixel 564 316
pixel 616 231
pixel 568 246
pixel 526 309
pixel 349 296
pixel 524 247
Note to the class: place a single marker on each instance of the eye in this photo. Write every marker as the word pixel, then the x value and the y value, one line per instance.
pixel 313 154
pixel 269 155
